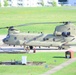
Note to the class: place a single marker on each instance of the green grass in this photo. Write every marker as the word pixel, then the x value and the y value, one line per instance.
pixel 49 58
pixel 52 59
pixel 17 16
pixel 22 70
pixel 69 70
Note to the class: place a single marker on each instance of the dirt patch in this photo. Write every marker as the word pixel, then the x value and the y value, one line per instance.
pixel 20 63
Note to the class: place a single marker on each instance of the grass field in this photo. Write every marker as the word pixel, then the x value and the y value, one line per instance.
pixel 17 16
pixel 51 59
pixel 69 70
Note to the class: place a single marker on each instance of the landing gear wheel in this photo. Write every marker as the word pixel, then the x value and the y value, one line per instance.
pixel 31 47
pixel 59 48
pixel 65 47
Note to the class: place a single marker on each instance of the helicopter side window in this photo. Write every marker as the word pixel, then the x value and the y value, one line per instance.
pixel 68 28
pixel 34 38
pixel 43 39
pixel 47 38
pixel 24 38
pixel 15 38
pixel 6 40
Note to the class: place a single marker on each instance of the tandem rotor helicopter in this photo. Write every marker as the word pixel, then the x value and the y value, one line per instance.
pixel 63 37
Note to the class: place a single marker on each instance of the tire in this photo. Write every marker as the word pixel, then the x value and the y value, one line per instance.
pixel 65 47
pixel 59 48
pixel 31 47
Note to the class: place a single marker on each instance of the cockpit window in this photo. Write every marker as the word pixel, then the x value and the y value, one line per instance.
pixel 43 39
pixel 8 36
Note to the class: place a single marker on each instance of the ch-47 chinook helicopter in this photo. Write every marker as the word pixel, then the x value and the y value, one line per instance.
pixel 63 36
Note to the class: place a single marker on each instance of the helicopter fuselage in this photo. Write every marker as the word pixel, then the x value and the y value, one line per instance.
pixel 64 35
pixel 31 39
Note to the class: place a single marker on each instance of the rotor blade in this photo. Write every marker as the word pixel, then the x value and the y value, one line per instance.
pixel 74 22
pixel 4 27
pixel 27 24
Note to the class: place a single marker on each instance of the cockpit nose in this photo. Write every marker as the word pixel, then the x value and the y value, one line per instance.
pixel 5 40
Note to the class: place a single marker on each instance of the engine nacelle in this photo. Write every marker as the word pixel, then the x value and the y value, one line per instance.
pixel 65 34
pixel 58 33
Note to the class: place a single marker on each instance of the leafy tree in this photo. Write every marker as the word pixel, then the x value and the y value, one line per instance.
pixel 5 3
pixel 0 4
pixel 42 3
pixel 54 3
